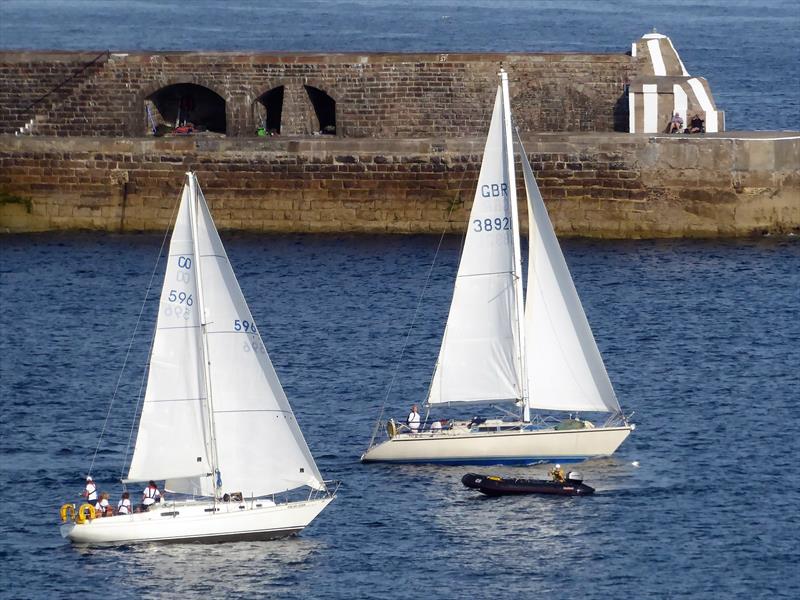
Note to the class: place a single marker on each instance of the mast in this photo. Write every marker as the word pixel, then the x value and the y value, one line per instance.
pixel 512 198
pixel 193 211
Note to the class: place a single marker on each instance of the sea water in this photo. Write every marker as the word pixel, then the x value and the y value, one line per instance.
pixel 699 338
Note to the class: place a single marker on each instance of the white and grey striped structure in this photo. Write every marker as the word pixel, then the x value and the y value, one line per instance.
pixel 663 87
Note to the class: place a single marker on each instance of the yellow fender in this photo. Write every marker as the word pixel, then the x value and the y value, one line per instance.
pixel 85 512
pixel 391 428
pixel 67 513
pixel 493 478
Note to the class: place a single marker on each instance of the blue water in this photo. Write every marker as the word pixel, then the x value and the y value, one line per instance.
pixel 700 340
pixel 747 49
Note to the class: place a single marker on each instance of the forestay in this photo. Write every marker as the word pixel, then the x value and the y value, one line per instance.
pixel 479 359
pixel 564 367
pixel 259 448
pixel 172 441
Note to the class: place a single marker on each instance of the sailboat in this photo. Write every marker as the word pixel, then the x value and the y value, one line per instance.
pixel 215 426
pixel 498 349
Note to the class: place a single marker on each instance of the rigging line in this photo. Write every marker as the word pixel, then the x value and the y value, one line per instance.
pixel 419 302
pixel 152 339
pixel 408 332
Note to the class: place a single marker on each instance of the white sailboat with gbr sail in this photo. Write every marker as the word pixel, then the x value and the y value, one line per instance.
pixel 215 426
pixel 537 354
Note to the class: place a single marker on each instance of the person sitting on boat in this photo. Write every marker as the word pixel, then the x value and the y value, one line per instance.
pixel 90 491
pixel 150 495
pixel 124 505
pixel 436 427
pixel 103 508
pixel 558 474
pixel 413 419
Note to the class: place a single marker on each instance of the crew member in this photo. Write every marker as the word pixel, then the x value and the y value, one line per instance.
pixel 124 505
pixel 558 474
pixel 413 419
pixel 150 495
pixel 90 491
pixel 103 507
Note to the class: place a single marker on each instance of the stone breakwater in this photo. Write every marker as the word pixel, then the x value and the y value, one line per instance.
pixel 609 185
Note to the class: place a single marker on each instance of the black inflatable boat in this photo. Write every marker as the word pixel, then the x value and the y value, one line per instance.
pixel 492 485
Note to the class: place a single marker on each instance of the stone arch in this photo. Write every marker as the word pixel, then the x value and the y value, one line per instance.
pixel 268 109
pixel 324 109
pixel 296 107
pixel 186 102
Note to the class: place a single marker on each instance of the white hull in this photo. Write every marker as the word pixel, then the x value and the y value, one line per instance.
pixel 199 521
pixel 500 447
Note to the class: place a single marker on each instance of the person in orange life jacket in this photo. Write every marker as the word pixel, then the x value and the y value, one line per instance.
pixel 90 491
pixel 102 507
pixel 150 495
pixel 558 474
pixel 124 505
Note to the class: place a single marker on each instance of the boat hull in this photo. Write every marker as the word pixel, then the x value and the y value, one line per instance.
pixel 198 522
pixel 492 485
pixel 500 448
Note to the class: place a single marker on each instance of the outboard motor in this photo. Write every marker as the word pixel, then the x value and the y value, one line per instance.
pixel 574 477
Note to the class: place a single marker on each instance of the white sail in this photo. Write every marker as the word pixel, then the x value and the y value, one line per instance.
pixel 251 443
pixel 172 442
pixel 479 359
pixel 564 367
pixel 260 449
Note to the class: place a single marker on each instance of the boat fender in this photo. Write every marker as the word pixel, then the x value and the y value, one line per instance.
pixel 391 428
pixel 67 512
pixel 85 512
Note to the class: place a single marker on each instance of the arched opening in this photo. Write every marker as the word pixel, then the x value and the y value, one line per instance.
pixel 185 108
pixel 324 108
pixel 269 107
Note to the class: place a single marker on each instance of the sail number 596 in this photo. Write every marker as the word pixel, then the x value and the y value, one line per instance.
pixel 244 325
pixel 496 224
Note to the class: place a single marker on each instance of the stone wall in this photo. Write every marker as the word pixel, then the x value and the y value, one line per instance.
pixel 376 95
pixel 602 185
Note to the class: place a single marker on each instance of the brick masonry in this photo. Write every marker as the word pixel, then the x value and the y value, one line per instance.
pixel 376 95
pixel 601 185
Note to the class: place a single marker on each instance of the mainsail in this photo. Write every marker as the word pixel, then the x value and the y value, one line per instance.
pixel 250 441
pixel 564 367
pixel 480 357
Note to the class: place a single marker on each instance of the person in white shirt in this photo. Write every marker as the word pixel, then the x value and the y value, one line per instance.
pixel 90 491
pixel 103 508
pixel 436 427
pixel 413 419
pixel 150 495
pixel 124 505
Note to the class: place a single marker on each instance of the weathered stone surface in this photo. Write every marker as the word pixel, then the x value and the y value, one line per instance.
pixel 603 185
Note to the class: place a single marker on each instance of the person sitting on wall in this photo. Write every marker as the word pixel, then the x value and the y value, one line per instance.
pixel 696 125
pixel 676 124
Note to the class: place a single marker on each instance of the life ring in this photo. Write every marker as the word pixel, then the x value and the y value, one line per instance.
pixel 391 428
pixel 82 515
pixel 67 513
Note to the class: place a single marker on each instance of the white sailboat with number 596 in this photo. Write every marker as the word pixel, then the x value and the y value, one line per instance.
pixel 215 426
pixel 539 355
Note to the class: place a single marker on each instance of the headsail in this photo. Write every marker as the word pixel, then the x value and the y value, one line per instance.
pixel 565 369
pixel 480 360
pixel 172 441
pixel 259 448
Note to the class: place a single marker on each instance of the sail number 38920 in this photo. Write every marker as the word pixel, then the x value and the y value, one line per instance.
pixel 496 224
